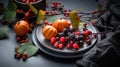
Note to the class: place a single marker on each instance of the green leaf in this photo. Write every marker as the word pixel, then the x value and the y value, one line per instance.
pixel 3 32
pixel 11 6
pixel 27 48
pixel 51 19
pixel 10 11
pixel 1 8
pixel 9 15
pixel 33 8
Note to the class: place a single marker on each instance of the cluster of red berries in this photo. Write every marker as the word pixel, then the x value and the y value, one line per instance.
pixel 28 1
pixel 58 8
pixel 22 39
pixel 24 13
pixel 72 39
pixel 18 55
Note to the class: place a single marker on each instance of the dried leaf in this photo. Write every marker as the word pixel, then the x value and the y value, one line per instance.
pixel 27 48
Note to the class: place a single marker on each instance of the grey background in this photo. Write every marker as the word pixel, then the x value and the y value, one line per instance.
pixel 40 59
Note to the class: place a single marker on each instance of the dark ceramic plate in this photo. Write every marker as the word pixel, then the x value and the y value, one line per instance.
pixel 45 46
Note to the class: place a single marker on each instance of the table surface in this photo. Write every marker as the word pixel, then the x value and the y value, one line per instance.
pixel 41 59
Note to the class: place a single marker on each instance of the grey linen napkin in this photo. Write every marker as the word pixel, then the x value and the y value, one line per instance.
pixel 106 53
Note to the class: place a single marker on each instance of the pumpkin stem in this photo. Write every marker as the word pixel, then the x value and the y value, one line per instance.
pixel 61 18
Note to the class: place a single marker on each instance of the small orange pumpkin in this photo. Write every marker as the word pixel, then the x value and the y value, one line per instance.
pixel 60 24
pixel 49 32
pixel 21 28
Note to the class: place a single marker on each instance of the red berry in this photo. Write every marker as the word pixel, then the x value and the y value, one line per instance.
pixel 62 39
pixel 56 45
pixel 77 33
pixel 68 46
pixel 95 35
pixel 85 33
pixel 85 24
pixel 50 23
pixel 71 42
pixel 18 55
pixel 53 6
pixel 18 38
pixel 88 32
pixel 52 40
pixel 46 22
pixel 75 46
pixel 25 54
pixel 87 38
pixel 27 14
pixel 60 46
pixel 24 58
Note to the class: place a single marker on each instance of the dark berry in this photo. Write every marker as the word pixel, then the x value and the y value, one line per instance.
pixel 88 41
pixel 71 36
pixel 81 37
pixel 68 33
pixel 84 29
pixel 18 38
pixel 60 34
pixel 71 30
pixel 85 24
pixel 77 37
pixel 95 35
pixel 81 42
pixel 65 31
pixel 57 38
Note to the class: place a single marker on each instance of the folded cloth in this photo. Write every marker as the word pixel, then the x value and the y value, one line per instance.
pixel 106 53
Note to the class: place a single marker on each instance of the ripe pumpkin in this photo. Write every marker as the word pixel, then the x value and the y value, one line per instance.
pixel 60 24
pixel 21 28
pixel 49 32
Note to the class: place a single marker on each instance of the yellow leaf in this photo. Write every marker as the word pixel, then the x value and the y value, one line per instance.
pixel 75 19
pixel 41 16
